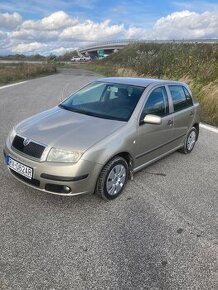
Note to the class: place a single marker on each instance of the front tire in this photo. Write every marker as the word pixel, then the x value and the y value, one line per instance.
pixel 190 141
pixel 112 178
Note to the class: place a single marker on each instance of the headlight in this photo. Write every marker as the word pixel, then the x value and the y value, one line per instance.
pixel 11 135
pixel 58 155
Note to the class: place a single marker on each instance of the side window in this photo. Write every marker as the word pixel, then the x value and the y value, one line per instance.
pixel 181 97
pixel 157 103
pixel 188 97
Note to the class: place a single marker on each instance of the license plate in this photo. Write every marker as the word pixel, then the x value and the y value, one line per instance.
pixel 20 168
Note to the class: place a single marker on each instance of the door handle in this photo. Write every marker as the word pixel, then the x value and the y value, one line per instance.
pixel 170 123
pixel 191 113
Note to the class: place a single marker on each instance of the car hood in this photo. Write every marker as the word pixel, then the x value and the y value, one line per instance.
pixel 68 130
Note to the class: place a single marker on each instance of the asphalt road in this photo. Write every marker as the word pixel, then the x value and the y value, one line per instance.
pixel 160 234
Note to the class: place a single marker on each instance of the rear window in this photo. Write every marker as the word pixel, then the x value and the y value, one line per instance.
pixel 181 97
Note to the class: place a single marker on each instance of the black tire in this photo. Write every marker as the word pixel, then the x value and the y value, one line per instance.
pixel 186 147
pixel 103 180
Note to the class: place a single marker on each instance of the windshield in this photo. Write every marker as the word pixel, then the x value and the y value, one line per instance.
pixel 105 100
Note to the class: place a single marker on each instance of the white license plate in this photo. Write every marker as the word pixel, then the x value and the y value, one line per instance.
pixel 20 168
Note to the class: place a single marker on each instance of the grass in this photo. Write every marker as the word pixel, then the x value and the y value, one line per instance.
pixel 195 64
pixel 10 73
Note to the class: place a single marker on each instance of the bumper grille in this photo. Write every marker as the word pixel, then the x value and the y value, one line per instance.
pixel 31 149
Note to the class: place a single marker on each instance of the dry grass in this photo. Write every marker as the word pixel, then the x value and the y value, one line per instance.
pixel 209 103
pixel 13 72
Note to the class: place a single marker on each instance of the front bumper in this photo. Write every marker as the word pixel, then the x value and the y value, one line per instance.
pixel 58 178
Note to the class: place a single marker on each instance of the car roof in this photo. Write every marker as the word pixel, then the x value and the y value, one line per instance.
pixel 142 82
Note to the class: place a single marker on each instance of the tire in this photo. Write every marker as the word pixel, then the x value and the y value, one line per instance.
pixel 112 178
pixel 190 141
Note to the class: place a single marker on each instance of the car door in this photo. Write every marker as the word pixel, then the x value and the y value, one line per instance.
pixel 183 114
pixel 154 140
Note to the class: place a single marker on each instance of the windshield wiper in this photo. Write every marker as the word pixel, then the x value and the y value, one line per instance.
pixel 72 109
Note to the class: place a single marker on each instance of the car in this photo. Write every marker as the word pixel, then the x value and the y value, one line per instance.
pixel 86 58
pixel 98 137
pixel 80 58
pixel 76 59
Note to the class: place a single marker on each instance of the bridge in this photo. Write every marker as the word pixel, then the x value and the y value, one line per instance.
pixel 101 49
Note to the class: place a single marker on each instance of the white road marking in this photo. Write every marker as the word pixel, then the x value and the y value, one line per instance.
pixel 11 85
pixel 209 128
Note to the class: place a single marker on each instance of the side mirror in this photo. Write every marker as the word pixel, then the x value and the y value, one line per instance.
pixel 152 119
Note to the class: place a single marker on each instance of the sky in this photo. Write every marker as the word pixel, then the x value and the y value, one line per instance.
pixel 57 26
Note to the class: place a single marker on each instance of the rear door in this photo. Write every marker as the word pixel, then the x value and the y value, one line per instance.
pixel 154 140
pixel 183 114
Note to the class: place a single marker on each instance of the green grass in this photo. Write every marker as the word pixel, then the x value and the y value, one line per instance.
pixel 196 64
pixel 10 73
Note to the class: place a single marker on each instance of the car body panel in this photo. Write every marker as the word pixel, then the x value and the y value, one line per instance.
pixel 67 130
pixel 99 140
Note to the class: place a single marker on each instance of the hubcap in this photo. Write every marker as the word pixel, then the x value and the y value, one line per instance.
pixel 116 179
pixel 191 140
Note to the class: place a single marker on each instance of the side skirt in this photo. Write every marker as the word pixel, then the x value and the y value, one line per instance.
pixel 155 159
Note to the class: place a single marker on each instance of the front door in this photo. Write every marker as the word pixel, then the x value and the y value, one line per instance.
pixel 154 140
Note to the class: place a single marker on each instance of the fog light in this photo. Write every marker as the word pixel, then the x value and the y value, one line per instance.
pixel 67 189
pixel 57 188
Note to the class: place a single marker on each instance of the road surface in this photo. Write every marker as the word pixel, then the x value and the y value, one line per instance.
pixel 160 234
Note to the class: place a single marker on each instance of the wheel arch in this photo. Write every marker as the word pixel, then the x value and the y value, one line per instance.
pixel 125 155
pixel 196 126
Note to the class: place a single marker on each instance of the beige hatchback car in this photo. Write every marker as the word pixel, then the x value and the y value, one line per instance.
pixel 99 136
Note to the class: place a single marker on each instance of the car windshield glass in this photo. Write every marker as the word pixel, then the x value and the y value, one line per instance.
pixel 105 100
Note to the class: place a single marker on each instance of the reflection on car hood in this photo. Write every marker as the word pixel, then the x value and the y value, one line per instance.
pixel 60 128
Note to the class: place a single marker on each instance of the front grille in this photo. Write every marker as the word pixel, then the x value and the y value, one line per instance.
pixel 32 149
pixel 33 182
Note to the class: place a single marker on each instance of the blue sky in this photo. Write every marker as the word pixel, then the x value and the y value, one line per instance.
pixel 138 12
pixel 96 20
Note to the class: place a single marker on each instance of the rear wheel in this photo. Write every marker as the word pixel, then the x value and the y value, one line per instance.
pixel 113 178
pixel 190 141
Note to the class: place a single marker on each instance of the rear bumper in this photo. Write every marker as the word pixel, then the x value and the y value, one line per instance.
pixel 58 178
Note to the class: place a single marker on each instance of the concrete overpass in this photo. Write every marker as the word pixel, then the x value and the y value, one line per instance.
pixel 106 48
pixel 109 47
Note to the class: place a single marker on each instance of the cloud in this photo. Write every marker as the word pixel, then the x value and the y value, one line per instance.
pixel 92 31
pixel 62 50
pixel 32 47
pixel 10 21
pixel 186 25
pixel 136 33
pixel 60 32
pixel 55 21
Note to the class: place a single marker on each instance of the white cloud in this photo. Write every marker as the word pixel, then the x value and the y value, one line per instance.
pixel 10 21
pixel 90 31
pixel 59 32
pixel 62 50
pixel 55 21
pixel 136 32
pixel 186 25
pixel 32 47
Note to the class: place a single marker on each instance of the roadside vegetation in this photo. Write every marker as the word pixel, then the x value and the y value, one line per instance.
pixel 10 73
pixel 22 57
pixel 196 64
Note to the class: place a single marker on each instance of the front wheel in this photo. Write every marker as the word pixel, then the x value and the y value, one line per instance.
pixel 113 178
pixel 190 141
